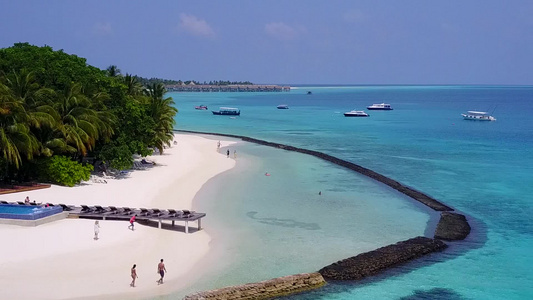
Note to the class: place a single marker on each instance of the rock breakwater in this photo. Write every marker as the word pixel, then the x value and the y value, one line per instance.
pixel 265 289
pixel 373 262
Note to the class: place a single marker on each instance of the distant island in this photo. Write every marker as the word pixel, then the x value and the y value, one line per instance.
pixel 212 86
pixel 193 87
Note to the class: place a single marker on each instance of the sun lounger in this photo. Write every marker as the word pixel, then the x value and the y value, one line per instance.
pixel 4 202
pixel 156 212
pixel 127 211
pixel 87 209
pixel 100 209
pixel 173 213
pixel 144 212
pixel 65 207
pixel 21 203
pixel 113 210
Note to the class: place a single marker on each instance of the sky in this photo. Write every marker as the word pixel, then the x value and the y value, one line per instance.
pixel 288 42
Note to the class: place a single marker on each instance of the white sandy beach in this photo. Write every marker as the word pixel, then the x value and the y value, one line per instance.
pixel 60 260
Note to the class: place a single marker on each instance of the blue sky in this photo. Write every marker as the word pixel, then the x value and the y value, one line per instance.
pixel 294 42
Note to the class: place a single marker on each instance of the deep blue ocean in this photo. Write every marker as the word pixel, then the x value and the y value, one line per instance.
pixel 271 226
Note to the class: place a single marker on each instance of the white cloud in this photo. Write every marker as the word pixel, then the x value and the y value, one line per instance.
pixel 102 28
pixel 194 26
pixel 353 16
pixel 283 31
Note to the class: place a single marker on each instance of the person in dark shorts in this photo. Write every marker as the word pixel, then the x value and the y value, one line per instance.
pixel 161 270
pixel 132 221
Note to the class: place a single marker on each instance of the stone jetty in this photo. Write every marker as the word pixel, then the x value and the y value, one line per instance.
pixel 373 262
pixel 265 289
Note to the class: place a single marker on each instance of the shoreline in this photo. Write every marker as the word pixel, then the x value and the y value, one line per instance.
pixel 60 260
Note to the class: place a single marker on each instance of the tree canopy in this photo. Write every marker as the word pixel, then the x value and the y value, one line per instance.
pixel 55 104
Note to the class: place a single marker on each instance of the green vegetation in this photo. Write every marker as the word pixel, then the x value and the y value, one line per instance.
pixel 63 170
pixel 55 110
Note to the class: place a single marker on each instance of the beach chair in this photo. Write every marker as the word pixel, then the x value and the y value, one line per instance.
pixel 127 211
pixel 113 210
pixel 87 209
pixel 99 209
pixel 173 212
pixel 144 212
pixel 21 203
pixel 4 202
pixel 156 212
pixel 65 207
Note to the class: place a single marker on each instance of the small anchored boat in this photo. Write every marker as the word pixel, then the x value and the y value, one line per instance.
pixel 283 106
pixel 201 107
pixel 356 113
pixel 379 106
pixel 478 116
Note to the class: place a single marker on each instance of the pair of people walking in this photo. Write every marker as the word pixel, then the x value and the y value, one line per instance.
pixel 160 269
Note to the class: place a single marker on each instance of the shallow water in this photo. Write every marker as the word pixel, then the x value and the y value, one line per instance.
pixel 278 225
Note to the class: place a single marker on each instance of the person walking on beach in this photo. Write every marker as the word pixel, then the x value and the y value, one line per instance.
pixel 227 153
pixel 133 275
pixel 234 153
pixel 132 220
pixel 161 270
pixel 218 145
pixel 96 230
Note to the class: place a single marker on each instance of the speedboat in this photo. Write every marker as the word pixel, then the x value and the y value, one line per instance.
pixel 478 115
pixel 356 113
pixel 201 107
pixel 379 106
pixel 227 111
pixel 283 106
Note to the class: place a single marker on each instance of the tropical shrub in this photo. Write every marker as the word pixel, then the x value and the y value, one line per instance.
pixel 61 170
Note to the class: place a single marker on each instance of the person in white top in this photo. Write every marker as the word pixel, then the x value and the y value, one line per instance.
pixel 96 230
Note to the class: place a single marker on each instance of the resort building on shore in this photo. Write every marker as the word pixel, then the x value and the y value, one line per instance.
pixel 226 88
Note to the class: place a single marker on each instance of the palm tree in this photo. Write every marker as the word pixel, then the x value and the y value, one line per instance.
pixel 81 125
pixel 134 87
pixel 113 71
pixel 162 112
pixel 20 110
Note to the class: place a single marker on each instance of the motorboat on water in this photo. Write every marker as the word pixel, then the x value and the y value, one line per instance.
pixel 201 107
pixel 379 106
pixel 356 113
pixel 309 92
pixel 227 111
pixel 283 106
pixel 478 115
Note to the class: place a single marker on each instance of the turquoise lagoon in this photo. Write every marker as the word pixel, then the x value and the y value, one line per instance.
pixel 271 226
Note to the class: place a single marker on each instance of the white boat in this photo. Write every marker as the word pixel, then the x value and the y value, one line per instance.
pixel 478 115
pixel 379 106
pixel 283 106
pixel 356 113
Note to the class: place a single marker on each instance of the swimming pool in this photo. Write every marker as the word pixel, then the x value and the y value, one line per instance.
pixel 27 212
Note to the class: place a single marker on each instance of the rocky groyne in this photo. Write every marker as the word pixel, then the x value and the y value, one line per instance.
pixel 452 226
pixel 373 262
pixel 265 289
